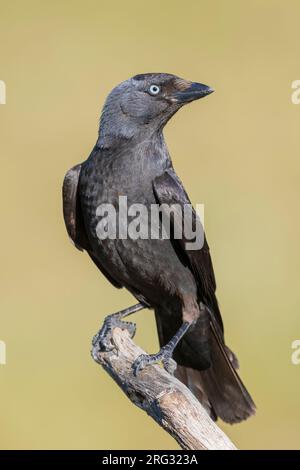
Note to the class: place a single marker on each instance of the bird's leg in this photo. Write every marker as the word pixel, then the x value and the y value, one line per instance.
pixel 102 340
pixel 164 355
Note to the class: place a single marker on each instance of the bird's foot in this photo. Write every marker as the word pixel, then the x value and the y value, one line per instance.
pixel 103 339
pixel 164 356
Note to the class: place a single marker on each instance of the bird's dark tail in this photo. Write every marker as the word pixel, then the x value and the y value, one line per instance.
pixel 219 388
pixel 227 394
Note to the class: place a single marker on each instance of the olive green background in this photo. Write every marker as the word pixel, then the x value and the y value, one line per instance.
pixel 237 152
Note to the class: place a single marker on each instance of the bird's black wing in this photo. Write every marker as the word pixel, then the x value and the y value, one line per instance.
pixel 71 208
pixel 74 219
pixel 219 388
pixel 169 190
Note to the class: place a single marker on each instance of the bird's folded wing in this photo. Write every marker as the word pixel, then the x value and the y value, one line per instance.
pixel 169 190
pixel 219 388
pixel 70 205
pixel 74 219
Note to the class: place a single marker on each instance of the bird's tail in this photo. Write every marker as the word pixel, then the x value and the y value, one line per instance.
pixel 219 388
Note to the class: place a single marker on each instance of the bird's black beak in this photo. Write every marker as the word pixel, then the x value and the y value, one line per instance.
pixel 194 92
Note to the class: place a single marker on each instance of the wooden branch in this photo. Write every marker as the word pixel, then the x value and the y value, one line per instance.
pixel 162 396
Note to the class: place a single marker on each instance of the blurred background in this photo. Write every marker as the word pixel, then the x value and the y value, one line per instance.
pixel 236 151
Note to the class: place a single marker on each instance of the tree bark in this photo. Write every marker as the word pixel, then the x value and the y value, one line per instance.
pixel 169 402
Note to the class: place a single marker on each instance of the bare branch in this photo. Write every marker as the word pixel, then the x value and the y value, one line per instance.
pixel 162 396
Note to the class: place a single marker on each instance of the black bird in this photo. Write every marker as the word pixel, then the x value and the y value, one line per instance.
pixel 131 159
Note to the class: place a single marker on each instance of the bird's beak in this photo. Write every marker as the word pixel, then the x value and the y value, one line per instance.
pixel 194 91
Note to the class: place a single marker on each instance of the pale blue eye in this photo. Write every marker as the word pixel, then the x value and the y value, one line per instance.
pixel 154 89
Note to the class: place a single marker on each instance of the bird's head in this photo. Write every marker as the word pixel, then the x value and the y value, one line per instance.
pixel 143 104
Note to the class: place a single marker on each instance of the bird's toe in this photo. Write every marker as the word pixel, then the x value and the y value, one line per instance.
pixel 140 363
pixel 170 365
pixel 103 339
pixel 164 356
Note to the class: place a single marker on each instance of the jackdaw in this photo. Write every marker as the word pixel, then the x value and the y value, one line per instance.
pixel 131 159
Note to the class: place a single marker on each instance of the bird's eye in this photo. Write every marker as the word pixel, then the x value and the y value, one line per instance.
pixel 154 89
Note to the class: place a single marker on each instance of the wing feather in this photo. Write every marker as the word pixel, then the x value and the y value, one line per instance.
pixel 169 190
pixel 74 220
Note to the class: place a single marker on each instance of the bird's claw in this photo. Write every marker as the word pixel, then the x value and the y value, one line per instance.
pixel 164 355
pixel 103 339
pixel 140 363
pixel 170 365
